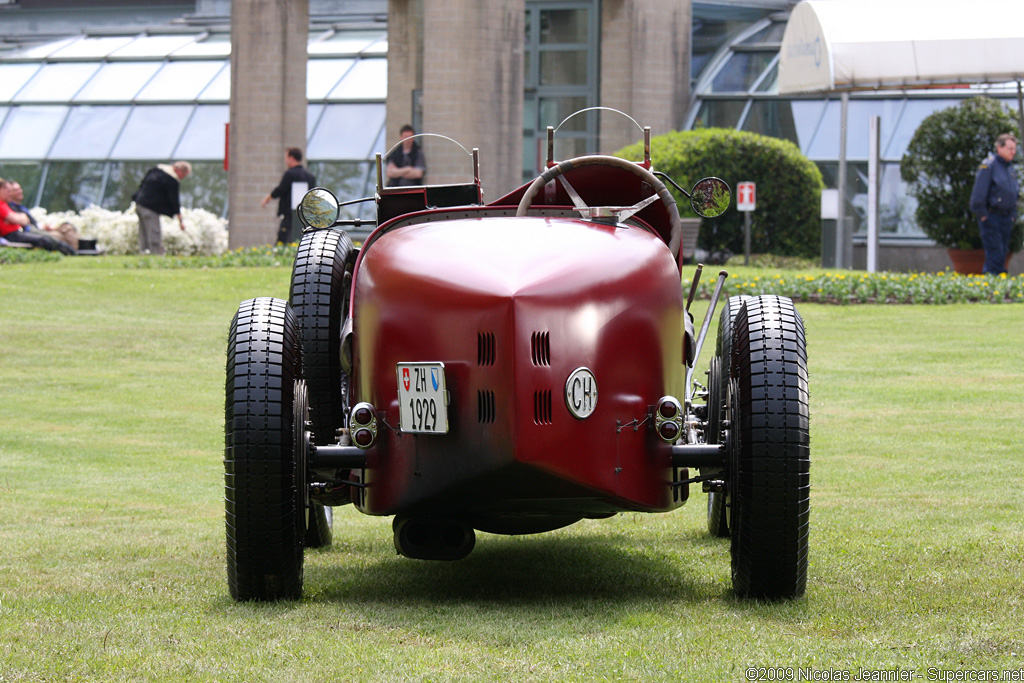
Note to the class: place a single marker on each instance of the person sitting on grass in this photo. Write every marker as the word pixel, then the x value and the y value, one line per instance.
pixel 13 223
pixel 65 232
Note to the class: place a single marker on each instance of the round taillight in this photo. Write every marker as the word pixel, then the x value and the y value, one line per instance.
pixel 363 416
pixel 668 409
pixel 362 438
pixel 668 431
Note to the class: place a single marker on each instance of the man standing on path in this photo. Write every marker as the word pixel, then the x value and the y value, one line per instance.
pixel 289 191
pixel 994 202
pixel 158 194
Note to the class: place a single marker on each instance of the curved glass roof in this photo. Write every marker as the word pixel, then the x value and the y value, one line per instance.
pixel 166 95
pixel 737 87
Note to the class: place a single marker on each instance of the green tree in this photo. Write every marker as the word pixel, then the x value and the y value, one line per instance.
pixel 939 167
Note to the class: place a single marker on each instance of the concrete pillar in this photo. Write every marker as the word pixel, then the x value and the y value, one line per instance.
pixel 405 65
pixel 645 68
pixel 268 109
pixel 471 69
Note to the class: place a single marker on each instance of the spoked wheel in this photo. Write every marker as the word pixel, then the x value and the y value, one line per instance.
pixel 769 450
pixel 265 486
pixel 718 381
pixel 319 520
pixel 718 521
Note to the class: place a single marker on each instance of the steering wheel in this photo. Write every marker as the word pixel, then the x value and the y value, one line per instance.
pixel 621 213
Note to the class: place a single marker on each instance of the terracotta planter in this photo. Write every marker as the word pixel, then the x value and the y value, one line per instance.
pixel 971 261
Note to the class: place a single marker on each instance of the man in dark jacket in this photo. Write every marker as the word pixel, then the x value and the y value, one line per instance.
pixel 406 165
pixel 289 191
pixel 158 194
pixel 994 202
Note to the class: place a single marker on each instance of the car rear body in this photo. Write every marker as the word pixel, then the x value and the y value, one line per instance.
pixel 513 307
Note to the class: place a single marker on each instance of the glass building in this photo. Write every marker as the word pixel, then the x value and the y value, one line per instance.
pixel 82 118
pixel 736 87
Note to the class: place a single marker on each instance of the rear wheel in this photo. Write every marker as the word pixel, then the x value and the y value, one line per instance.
pixel 768 442
pixel 264 467
pixel 718 381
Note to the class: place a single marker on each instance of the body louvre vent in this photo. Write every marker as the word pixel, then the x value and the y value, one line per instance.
pixel 485 406
pixel 540 348
pixel 485 348
pixel 542 407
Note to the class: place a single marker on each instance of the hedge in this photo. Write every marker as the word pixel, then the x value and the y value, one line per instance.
pixel 787 221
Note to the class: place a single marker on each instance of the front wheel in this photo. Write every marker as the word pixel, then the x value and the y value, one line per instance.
pixel 321 280
pixel 264 468
pixel 768 441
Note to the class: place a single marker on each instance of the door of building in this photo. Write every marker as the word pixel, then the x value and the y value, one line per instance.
pixel 561 66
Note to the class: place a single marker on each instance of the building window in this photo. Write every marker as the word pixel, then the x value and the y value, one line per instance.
pixel 561 72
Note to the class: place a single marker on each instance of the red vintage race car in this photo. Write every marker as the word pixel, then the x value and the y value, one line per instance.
pixel 511 367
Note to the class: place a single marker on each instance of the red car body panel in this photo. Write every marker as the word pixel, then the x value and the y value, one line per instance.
pixel 512 306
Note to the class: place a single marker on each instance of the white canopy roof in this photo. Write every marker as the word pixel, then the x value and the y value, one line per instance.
pixel 863 44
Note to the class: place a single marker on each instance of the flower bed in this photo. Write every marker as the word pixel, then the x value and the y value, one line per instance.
pixel 881 288
pixel 117 232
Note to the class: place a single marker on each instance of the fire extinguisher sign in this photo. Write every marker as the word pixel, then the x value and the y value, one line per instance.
pixel 746 196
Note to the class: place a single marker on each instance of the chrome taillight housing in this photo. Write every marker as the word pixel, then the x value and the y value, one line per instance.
pixel 668 419
pixel 362 425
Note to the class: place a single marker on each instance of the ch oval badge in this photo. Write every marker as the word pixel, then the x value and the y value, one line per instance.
pixel 581 393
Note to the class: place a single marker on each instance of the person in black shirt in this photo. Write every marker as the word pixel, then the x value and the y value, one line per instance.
pixel 406 165
pixel 158 194
pixel 285 191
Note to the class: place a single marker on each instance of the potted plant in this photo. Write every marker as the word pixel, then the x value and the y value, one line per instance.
pixel 939 168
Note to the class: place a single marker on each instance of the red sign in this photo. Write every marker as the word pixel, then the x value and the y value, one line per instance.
pixel 405 378
pixel 745 196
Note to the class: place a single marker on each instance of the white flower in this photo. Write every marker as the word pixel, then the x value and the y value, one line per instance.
pixel 117 232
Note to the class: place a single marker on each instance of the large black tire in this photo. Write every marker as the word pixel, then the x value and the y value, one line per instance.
pixel 718 381
pixel 726 325
pixel 769 450
pixel 321 280
pixel 264 477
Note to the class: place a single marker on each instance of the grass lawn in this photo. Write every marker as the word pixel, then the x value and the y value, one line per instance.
pixel 112 538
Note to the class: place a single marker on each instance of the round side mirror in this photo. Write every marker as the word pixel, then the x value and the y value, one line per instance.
pixel 318 208
pixel 710 197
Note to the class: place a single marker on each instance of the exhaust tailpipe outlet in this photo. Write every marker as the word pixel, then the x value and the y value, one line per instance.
pixel 433 538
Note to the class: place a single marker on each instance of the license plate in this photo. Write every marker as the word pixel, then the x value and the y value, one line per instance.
pixel 422 398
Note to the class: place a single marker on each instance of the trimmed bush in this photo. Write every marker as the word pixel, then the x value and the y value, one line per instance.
pixel 940 164
pixel 787 221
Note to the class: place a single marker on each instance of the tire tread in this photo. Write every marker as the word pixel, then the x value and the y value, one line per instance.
pixel 771 494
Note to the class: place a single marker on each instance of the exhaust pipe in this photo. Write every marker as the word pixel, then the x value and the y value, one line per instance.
pixel 433 538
